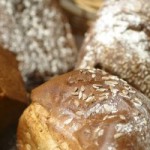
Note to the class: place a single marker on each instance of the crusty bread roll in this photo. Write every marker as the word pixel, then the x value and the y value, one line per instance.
pixel 13 97
pixel 85 110
pixel 40 35
pixel 119 42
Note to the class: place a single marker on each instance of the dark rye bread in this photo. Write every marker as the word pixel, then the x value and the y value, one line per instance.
pixel 40 35
pixel 85 110
pixel 13 98
pixel 119 42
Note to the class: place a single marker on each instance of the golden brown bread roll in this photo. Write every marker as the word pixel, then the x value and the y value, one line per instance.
pixel 119 42
pixel 85 110
pixel 40 35
pixel 13 97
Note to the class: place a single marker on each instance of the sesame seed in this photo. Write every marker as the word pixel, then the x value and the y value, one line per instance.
pixel 80 94
pixel 92 71
pixel 75 93
pixel 87 131
pixel 93 75
pixel 106 78
pixel 68 121
pixel 80 113
pixel 82 88
pixel 101 89
pixel 122 117
pixel 84 97
pixel 118 135
pixel 137 101
pixel 100 132
pixel 111 83
pixel 96 86
pixel 90 99
pixel 105 117
pixel 101 98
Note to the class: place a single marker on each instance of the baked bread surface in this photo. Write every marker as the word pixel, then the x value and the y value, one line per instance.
pixel 13 97
pixel 85 110
pixel 119 42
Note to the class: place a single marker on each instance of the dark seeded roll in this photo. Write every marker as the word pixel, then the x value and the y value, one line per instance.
pixel 119 42
pixel 40 35
pixel 85 110
pixel 13 98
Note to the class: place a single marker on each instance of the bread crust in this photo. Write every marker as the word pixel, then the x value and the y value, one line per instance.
pixel 118 42
pixel 35 133
pixel 13 97
pixel 86 109
pixel 10 76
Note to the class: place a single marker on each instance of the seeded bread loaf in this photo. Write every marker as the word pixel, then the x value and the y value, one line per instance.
pixel 119 42
pixel 13 98
pixel 85 110
pixel 40 35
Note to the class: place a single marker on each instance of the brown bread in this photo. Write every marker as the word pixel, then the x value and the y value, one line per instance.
pixel 13 98
pixel 85 110
pixel 119 42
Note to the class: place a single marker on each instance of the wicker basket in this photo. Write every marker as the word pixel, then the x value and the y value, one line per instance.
pixel 80 16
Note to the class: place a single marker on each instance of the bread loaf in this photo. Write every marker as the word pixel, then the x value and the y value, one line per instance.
pixel 85 110
pixel 40 35
pixel 13 98
pixel 119 42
